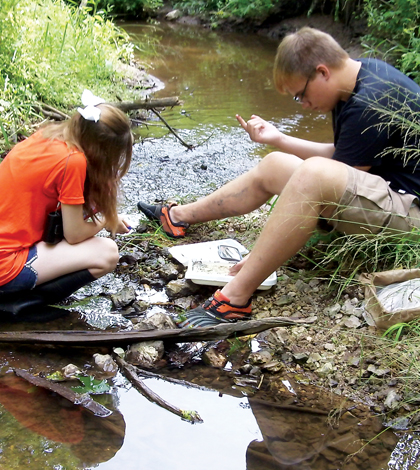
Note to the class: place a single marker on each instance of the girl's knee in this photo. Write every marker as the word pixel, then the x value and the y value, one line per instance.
pixel 108 255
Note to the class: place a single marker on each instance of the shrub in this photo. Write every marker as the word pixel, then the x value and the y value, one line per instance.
pixel 395 32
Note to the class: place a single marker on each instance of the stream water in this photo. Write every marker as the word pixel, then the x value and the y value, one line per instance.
pixel 216 76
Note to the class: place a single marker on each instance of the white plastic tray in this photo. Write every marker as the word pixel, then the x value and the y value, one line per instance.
pixel 206 267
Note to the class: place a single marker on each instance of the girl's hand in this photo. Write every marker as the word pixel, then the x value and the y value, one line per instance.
pixel 261 131
pixel 123 225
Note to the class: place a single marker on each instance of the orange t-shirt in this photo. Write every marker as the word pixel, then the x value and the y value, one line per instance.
pixel 34 176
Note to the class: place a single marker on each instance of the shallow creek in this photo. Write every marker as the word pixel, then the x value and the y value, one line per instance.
pixel 216 76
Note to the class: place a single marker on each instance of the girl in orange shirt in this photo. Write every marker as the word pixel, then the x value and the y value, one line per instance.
pixel 76 164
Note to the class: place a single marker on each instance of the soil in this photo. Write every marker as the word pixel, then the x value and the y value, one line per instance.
pixel 341 351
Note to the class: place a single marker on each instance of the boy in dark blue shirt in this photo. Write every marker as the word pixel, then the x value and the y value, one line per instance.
pixel 365 182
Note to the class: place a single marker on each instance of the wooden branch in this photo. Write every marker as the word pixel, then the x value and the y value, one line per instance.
pixel 57 115
pixel 78 399
pixel 148 104
pixel 183 335
pixel 189 147
pixel 49 111
pixel 130 372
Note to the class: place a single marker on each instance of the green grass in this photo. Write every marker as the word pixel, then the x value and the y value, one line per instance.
pixel 49 53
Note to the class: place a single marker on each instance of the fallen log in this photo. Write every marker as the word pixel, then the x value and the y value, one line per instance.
pixel 184 335
pixel 125 106
pixel 78 399
pixel 148 104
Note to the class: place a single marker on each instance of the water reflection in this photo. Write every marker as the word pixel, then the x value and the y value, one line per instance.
pixel 306 440
pixel 49 430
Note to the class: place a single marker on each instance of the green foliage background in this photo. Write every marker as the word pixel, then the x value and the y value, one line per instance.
pixel 49 53
pixel 394 32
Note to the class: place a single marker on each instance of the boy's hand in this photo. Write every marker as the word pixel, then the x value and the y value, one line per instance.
pixel 261 131
pixel 237 267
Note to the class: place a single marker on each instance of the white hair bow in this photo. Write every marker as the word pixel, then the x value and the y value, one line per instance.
pixel 90 112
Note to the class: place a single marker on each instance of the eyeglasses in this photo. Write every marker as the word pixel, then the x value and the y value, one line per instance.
pixel 299 96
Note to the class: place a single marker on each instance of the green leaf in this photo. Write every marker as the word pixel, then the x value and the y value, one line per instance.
pixel 91 385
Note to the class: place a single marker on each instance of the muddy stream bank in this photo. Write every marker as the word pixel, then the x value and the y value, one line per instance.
pixel 293 397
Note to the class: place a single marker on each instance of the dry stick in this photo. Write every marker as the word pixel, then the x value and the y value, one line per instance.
pixel 189 147
pixel 78 399
pixel 130 372
pixel 181 335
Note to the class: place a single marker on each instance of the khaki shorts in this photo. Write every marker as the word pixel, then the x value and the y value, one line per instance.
pixel 369 206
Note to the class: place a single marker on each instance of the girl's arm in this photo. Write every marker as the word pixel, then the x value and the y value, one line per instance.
pixel 77 229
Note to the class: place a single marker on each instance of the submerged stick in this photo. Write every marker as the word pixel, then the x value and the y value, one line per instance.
pixel 182 335
pixel 76 398
pixel 131 374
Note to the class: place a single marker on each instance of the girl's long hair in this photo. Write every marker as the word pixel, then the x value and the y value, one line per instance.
pixel 107 145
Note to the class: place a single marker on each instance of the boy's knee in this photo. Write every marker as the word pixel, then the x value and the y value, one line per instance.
pixel 327 178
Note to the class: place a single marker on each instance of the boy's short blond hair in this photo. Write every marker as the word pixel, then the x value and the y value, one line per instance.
pixel 299 54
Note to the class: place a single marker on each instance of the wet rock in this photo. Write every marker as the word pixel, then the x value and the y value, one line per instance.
pixel 350 308
pixel 246 369
pixel 181 288
pixel 105 363
pixel 287 357
pixel 325 370
pixel 284 300
pixel 260 357
pixel 130 259
pixel 214 358
pixel 146 354
pixel 255 371
pixel 158 321
pixel 185 302
pixel 168 272
pixel 123 298
pixel 314 357
pixel 276 338
pixel 70 371
pixel 302 286
pixel 333 310
pixel 378 371
pixel 352 322
pixel 301 358
pixel 142 228
pixel 141 306
pixel 273 366
pixel 248 384
pixel 392 400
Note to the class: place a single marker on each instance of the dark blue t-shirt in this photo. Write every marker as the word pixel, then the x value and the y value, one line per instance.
pixel 366 133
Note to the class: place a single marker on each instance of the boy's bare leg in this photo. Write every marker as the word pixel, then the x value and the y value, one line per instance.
pixel 242 195
pixel 313 189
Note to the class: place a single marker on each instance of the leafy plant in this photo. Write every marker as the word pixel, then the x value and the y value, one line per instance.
pixel 396 331
pixel 49 53
pixel 394 31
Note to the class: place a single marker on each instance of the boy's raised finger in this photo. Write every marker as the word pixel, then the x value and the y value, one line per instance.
pixel 241 121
